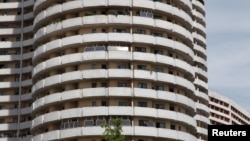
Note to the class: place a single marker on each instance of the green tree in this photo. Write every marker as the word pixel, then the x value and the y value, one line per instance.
pixel 113 131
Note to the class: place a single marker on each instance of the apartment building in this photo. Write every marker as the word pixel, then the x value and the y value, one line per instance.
pixel 68 66
pixel 224 111
pixel 16 51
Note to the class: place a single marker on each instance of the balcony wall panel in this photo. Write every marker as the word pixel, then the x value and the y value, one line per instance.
pixel 116 91
pixel 52 116
pixel 72 58
pixel 119 55
pixel 73 132
pixel 73 22
pixel 71 113
pixel 72 94
pixel 94 92
pixel 94 3
pixel 72 5
pixel 52 98
pixel 119 73
pixel 51 135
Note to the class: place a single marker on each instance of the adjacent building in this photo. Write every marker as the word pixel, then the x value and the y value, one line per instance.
pixel 224 111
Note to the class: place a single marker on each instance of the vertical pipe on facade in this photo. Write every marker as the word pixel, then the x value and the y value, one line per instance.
pixel 133 74
pixel 20 71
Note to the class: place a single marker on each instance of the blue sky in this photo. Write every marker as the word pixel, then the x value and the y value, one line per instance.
pixel 228 48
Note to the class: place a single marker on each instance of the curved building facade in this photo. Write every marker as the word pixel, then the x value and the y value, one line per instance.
pixel 143 61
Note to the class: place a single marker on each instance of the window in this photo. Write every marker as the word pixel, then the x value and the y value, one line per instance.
pixel 96 48
pixel 122 66
pixel 104 31
pixel 120 84
pixel 171 89
pixel 180 128
pixel 2 121
pixel 158 52
pixel 2 93
pixel 16 78
pixel 104 84
pixel 3 66
pixel 122 103
pixel 158 69
pixel 159 106
pixel 168 1
pixel 93 85
pixel 2 106
pixel 159 88
pixel 142 85
pixel 104 66
pixel 89 49
pixel 146 123
pixel 16 93
pixel 15 106
pixel 142 67
pixel 100 48
pixel 157 34
pixel 172 126
pixel 18 52
pixel 93 66
pixel 93 30
pixel 146 14
pixel 5 26
pixel 17 65
pixel 3 52
pixel 125 122
pixel 117 30
pixel 5 13
pixel 140 49
pixel 171 107
pixel 100 122
pixel 141 31
pixel 160 125
pixel 170 55
pixel 142 104
pixel 93 103
pixel 89 123
pixel 104 103
pixel 4 39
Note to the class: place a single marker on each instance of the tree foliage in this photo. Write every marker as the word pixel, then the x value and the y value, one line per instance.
pixel 113 131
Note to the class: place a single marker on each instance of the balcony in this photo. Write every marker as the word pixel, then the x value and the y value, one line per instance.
pixel 94 92
pixel 119 19
pixel 72 76
pixel 120 73
pixel 73 22
pixel 94 3
pixel 72 40
pixel 143 4
pixel 71 5
pixel 120 92
pixel 124 3
pixel 52 98
pixel 72 94
pixel 71 113
pixel 51 46
pixel 119 55
pixel 52 116
pixel 120 110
